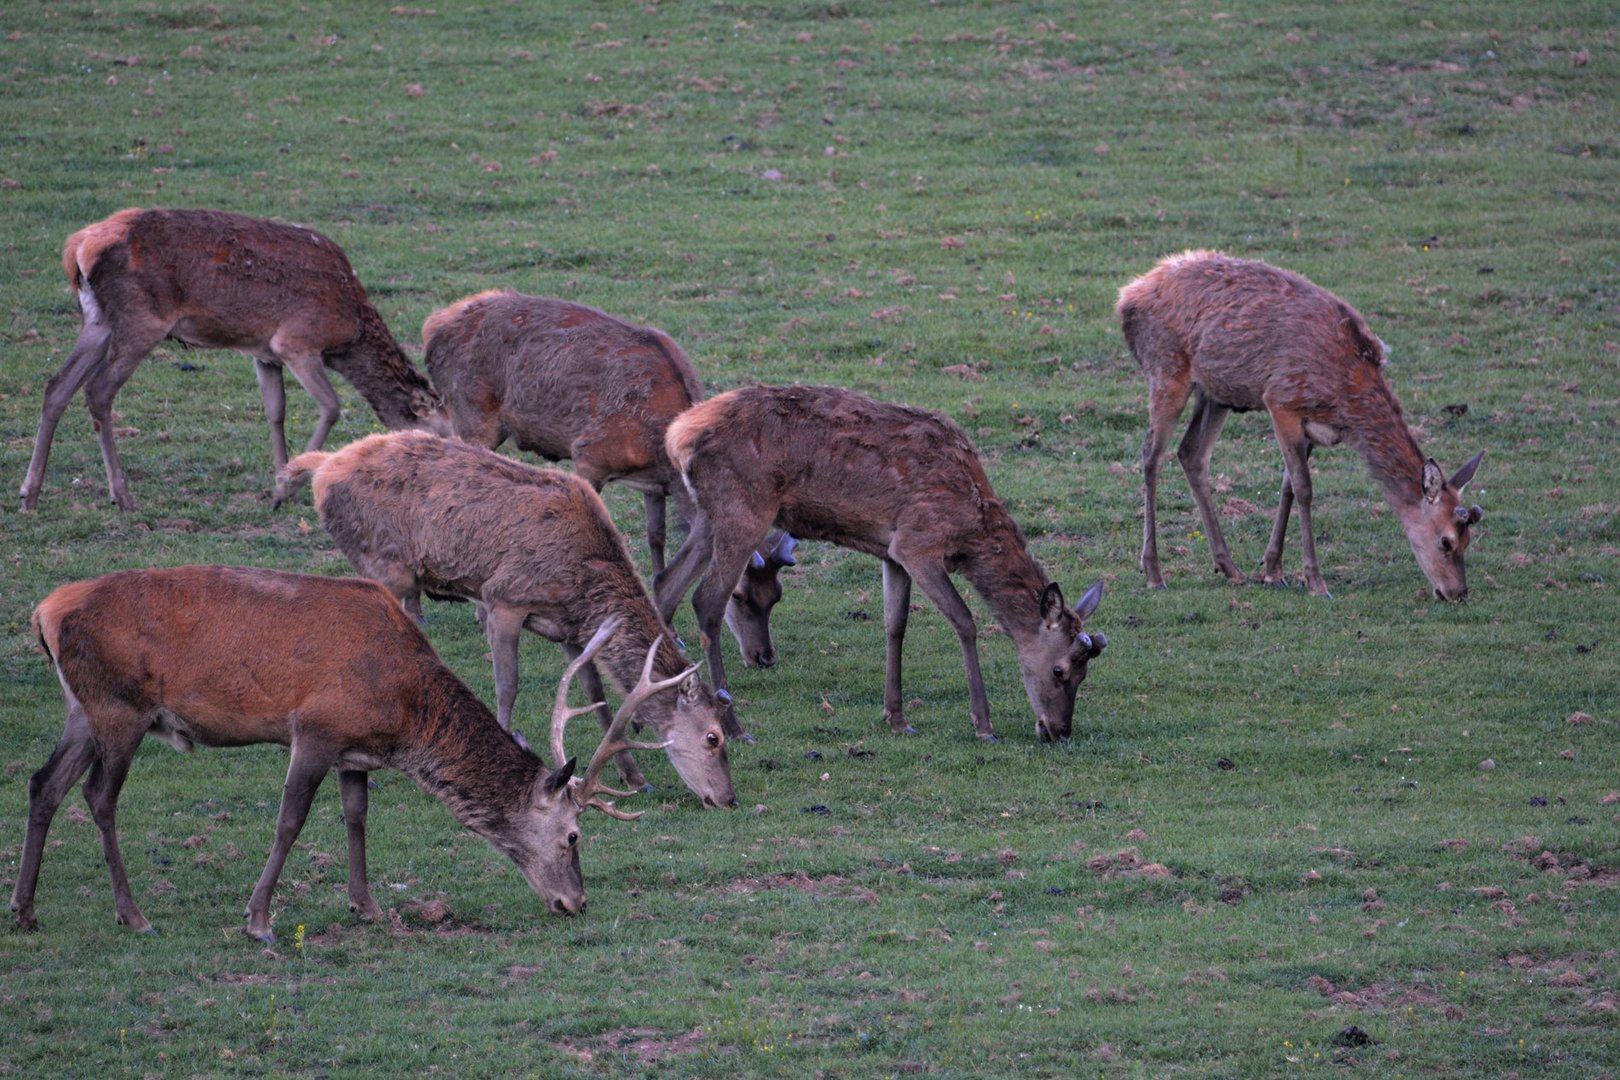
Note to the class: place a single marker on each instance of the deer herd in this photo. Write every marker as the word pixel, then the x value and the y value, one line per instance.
pixel 339 671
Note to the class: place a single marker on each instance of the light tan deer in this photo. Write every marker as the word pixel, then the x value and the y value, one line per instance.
pixel 283 294
pixel 330 668
pixel 535 549
pixel 902 484
pixel 1237 335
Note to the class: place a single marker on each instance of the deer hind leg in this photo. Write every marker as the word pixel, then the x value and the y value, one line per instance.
pixel 591 679
pixel 304 774
pixel 896 610
pixel 730 554
pixel 89 353
pixel 671 583
pixel 936 584
pixel 129 347
pixel 356 798
pixel 1202 432
pixel 47 788
pixel 101 790
pixel 1166 398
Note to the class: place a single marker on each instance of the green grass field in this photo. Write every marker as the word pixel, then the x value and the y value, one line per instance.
pixel 1271 847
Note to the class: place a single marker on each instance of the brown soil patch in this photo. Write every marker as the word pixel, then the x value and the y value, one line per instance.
pixel 1375 997
pixel 648 1044
pixel 1127 862
pixel 829 885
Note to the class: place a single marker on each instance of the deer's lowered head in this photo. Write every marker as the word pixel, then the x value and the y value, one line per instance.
pixel 1054 661
pixel 1439 527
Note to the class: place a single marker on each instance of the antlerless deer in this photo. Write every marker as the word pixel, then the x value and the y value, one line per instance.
pixel 899 483
pixel 1237 335
pixel 536 549
pixel 333 669
pixel 283 294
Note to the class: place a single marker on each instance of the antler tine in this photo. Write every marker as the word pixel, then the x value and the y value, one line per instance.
pixel 613 741
pixel 560 712
pixel 613 811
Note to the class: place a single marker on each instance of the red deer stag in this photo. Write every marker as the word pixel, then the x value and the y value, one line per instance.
pixel 283 294
pixel 535 549
pixel 1238 335
pixel 899 483
pixel 330 668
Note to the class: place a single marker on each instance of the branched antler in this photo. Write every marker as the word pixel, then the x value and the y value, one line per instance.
pixel 589 785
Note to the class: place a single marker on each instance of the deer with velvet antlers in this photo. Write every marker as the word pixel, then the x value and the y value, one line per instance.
pixel 283 294
pixel 534 549
pixel 1236 335
pixel 899 483
pixel 331 668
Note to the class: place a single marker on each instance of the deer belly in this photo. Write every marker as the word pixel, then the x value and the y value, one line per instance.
pixel 1321 434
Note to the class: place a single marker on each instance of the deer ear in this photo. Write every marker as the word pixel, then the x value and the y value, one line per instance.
pixel 1433 480
pixel 784 550
pixel 1460 478
pixel 1052 606
pixel 1088 603
pixel 556 780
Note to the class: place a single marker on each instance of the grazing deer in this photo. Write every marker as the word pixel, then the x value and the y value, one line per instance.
pixel 1239 335
pixel 283 294
pixel 330 668
pixel 899 483
pixel 565 381
pixel 534 548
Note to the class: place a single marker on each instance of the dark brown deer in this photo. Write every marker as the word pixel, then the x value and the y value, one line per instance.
pixel 283 294
pixel 902 484
pixel 534 549
pixel 569 382
pixel 566 382
pixel 330 668
pixel 1237 335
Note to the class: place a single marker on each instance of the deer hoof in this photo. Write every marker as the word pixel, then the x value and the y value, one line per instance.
pixel 646 786
pixel 988 736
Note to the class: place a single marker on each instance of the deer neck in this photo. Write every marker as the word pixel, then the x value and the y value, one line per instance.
pixel 460 756
pixel 375 365
pixel 1377 428
pixel 1001 569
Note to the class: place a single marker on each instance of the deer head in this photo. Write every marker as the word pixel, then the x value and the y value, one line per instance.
pixel 1054 661
pixel 748 613
pixel 695 740
pixel 1439 527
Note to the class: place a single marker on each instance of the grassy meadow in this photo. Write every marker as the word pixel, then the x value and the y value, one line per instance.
pixel 1272 848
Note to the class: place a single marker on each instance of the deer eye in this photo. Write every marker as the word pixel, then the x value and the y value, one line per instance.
pixel 712 739
pixel 1058 674
pixel 1446 544
pixel 573 838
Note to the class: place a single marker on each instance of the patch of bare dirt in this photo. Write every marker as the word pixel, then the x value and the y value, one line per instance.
pixel 648 1044
pixel 828 885
pixel 1375 996
pixel 1127 862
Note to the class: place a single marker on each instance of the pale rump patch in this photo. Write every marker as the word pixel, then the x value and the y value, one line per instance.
pixel 84 247
pixel 681 438
pixel 447 315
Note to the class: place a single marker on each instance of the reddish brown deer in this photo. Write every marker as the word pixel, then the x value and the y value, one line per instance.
pixel 535 549
pixel 330 668
pixel 1237 335
pixel 283 294
pixel 902 484
pixel 565 381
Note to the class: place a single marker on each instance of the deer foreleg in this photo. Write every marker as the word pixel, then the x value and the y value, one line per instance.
pixel 352 788
pixel 934 581
pixel 731 552
pixel 1202 431
pixel 653 503
pixel 310 372
pixel 304 774
pixel 896 610
pixel 696 551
